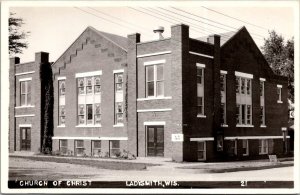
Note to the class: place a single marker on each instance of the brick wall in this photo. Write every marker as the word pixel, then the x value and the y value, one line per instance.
pixel 90 52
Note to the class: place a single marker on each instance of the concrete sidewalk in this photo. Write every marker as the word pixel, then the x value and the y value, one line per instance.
pixel 165 164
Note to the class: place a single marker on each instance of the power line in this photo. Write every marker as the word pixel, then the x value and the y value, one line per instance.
pixel 145 30
pixel 153 10
pixel 204 18
pixel 167 20
pixel 104 18
pixel 180 20
pixel 195 19
pixel 234 18
pixel 215 26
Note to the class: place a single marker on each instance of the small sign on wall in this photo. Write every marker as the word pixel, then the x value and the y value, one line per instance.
pixel 177 137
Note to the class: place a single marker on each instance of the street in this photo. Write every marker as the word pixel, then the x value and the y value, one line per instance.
pixel 24 169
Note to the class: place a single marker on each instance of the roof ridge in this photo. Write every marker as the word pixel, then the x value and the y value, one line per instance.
pixel 104 34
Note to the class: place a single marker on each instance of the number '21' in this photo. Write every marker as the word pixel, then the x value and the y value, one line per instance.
pixel 243 183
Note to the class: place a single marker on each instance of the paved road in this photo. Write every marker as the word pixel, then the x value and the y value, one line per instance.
pixel 23 169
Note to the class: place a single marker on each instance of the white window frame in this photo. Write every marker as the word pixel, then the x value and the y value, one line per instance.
pixel 63 147
pixel 116 103
pixel 85 76
pixel 279 88
pixel 262 102
pixel 223 73
pixel 61 104
pixel 111 147
pixel 247 147
pixel 263 143
pixel 204 151
pixel 98 149
pixel 76 147
pixel 245 115
pixel 201 90
pixel 25 81
pixel 155 80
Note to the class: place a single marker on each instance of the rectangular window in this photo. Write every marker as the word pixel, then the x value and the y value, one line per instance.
pixel 200 73
pixel 25 93
pixel 89 100
pixel 245 147
pixel 62 115
pixel 243 114
pixel 119 81
pixel 89 85
pixel 118 116
pixel 155 80
pixel 262 115
pixel 237 84
pixel 279 94
pixel 200 90
pixel 97 86
pixel 232 147
pixel 261 88
pixel 115 148
pixel 201 152
pixel 96 148
pixel 200 106
pixel 262 104
pixel 223 114
pixel 81 114
pixel 79 148
pixel 249 115
pixel 89 113
pixel 61 102
pixel 248 88
pixel 97 114
pixel 63 146
pixel 119 113
pixel 243 85
pixel 223 82
pixel 263 146
pixel 270 146
pixel 223 98
pixel 238 114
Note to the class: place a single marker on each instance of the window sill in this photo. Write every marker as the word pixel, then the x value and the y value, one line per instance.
pixel 279 102
pixel 24 107
pixel 224 125
pixel 244 125
pixel 119 125
pixel 263 153
pixel 154 98
pixel 88 126
pixel 263 126
pixel 61 126
pixel 201 116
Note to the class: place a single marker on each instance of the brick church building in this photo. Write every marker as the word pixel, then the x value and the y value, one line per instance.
pixel 178 97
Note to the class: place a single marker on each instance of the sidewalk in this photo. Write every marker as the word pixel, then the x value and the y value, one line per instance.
pixel 160 164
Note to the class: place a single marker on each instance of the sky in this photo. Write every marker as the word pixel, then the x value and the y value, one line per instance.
pixel 54 29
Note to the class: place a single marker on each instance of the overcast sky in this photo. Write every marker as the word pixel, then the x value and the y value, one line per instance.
pixel 53 29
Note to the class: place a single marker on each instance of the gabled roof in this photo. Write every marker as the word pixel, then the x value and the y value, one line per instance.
pixel 224 37
pixel 116 39
pixel 119 41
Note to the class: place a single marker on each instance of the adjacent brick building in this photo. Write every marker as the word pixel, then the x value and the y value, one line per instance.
pixel 189 99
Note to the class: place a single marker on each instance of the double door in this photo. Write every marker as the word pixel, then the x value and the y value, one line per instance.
pixel 155 140
pixel 25 138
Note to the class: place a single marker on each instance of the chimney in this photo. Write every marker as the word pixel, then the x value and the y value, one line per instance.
pixel 158 32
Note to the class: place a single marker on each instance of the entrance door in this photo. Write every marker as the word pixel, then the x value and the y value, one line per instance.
pixel 25 138
pixel 155 141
